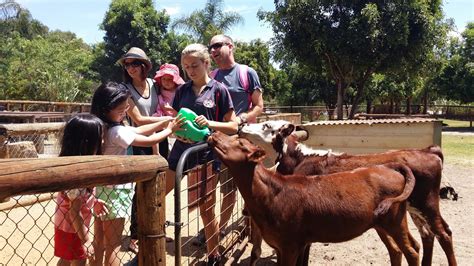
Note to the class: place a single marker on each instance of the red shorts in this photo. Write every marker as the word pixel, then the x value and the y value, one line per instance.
pixel 68 246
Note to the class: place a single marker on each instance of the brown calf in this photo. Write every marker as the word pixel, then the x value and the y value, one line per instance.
pixel 294 211
pixel 426 165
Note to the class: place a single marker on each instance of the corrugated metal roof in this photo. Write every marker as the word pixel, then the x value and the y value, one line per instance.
pixel 374 121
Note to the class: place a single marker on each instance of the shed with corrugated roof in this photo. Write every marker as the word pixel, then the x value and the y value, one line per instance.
pixel 377 135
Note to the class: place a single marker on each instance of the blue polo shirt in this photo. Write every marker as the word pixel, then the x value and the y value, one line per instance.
pixel 213 102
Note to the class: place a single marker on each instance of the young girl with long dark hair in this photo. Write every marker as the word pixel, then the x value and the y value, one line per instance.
pixel 110 103
pixel 82 135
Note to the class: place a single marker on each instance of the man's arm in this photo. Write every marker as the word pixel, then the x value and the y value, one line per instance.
pixel 257 108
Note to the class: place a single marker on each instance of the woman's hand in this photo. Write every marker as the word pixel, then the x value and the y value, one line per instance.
pixel 202 121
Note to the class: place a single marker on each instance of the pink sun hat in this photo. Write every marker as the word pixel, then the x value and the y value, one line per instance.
pixel 169 69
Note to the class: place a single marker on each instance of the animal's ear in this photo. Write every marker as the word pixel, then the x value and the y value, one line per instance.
pixel 287 129
pixel 256 156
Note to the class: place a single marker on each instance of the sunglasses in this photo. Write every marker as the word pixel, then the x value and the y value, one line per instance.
pixel 216 45
pixel 133 64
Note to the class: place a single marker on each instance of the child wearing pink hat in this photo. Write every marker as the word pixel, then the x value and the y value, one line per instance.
pixel 168 80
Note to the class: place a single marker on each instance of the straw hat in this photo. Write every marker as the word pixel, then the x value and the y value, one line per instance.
pixel 138 54
pixel 168 69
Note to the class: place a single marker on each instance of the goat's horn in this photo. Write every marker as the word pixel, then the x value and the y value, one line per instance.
pixel 301 134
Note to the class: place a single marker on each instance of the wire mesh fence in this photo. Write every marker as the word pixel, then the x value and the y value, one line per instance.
pixel 36 229
pixel 30 140
pixel 201 206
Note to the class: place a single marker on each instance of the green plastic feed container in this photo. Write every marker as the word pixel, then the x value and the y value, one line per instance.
pixel 191 130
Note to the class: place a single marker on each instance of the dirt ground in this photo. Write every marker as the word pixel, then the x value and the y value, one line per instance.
pixel 369 250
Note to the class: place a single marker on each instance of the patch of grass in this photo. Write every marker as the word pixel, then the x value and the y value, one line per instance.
pixel 455 123
pixel 458 149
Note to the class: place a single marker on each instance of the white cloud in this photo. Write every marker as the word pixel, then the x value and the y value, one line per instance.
pixel 172 10
pixel 239 9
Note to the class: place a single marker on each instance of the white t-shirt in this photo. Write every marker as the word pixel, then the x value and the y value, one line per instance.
pixel 117 141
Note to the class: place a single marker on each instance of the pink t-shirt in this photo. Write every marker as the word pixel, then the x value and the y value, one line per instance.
pixel 64 199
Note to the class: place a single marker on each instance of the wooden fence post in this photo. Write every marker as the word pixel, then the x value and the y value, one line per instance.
pixel 151 212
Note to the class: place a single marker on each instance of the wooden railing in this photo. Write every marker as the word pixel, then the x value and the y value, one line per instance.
pixel 45 106
pixel 33 176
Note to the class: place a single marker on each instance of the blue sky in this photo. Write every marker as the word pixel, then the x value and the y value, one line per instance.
pixel 83 16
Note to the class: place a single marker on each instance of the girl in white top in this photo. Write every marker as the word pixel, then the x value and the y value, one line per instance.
pixel 110 103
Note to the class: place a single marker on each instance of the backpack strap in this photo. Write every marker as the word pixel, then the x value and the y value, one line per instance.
pixel 218 94
pixel 213 73
pixel 245 82
pixel 244 77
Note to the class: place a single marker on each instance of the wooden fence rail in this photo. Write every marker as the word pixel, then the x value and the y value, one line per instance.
pixel 32 176
pixel 24 105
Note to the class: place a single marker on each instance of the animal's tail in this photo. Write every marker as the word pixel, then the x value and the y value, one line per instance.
pixel 385 205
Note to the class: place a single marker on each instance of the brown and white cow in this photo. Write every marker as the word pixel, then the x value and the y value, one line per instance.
pixel 293 211
pixel 426 164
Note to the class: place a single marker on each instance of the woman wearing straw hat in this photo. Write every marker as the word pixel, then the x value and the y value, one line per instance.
pixel 143 103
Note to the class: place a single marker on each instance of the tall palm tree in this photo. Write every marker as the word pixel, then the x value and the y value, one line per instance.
pixel 205 23
pixel 9 9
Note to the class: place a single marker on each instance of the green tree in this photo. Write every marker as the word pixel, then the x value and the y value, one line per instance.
pixel 130 23
pixel 174 44
pixel 456 81
pixel 354 39
pixel 36 64
pixel 256 54
pixel 53 68
pixel 205 23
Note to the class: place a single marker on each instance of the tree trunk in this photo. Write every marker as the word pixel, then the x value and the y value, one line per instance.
pixel 408 110
pixel 330 109
pixel 355 103
pixel 369 106
pixel 340 100
pixel 425 101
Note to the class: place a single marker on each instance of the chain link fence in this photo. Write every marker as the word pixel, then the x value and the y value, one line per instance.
pixel 29 231
pixel 39 140
pixel 187 226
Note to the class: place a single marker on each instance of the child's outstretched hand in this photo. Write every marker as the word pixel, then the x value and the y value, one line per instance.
pixel 175 124
pixel 100 209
